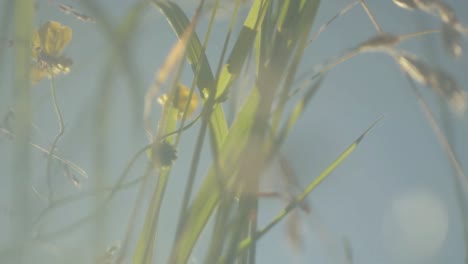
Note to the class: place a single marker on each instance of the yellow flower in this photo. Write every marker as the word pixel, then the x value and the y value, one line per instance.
pixel 48 43
pixel 181 98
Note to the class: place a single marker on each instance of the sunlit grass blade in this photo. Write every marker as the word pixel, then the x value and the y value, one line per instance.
pixel 245 244
pixel 243 45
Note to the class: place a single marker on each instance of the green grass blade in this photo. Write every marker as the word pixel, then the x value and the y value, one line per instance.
pixel 209 193
pixel 243 45
pixel 244 245
pixel 198 60
pixel 299 34
pixel 195 55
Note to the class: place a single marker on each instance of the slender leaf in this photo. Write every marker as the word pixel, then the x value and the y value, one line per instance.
pixel 249 241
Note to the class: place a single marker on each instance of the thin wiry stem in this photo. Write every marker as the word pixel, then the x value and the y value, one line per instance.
pixel 133 215
pixel 324 26
pixel 459 172
pixel 59 159
pixel 419 33
pixel 460 195
pixel 370 15
pixel 221 216
pixel 441 137
pixel 353 52
pixel 119 185
pixel 183 128
pixel 57 137
pixel 429 116
pixel 201 134
pixel 85 194
pixel 214 145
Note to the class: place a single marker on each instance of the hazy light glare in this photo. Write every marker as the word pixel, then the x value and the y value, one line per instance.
pixel 415 226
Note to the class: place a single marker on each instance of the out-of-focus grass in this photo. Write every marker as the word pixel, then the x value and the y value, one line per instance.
pixel 21 177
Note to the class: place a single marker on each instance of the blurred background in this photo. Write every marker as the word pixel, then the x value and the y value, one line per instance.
pixel 394 200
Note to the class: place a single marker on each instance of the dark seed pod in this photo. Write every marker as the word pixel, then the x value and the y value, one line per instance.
pixel 443 83
pixel 459 101
pixel 417 70
pixel 381 42
pixel 164 154
pixel 445 12
pixel 434 7
pixel 446 86
pixel 440 82
pixel 294 232
pixel 438 9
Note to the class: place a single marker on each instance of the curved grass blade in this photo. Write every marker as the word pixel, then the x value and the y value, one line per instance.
pixel 179 22
pixel 195 56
